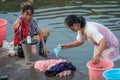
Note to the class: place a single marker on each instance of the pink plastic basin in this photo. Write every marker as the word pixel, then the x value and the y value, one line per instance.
pixel 1 41
pixel 96 70
pixel 3 24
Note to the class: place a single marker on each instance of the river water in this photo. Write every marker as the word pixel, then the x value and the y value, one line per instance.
pixel 51 15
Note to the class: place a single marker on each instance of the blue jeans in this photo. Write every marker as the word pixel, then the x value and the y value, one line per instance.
pixel 40 47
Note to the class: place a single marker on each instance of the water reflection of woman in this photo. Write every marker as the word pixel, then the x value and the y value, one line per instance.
pixel 105 42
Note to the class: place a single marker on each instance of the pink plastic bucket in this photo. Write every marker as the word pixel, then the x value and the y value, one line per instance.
pixel 96 70
pixel 3 23
pixel 1 41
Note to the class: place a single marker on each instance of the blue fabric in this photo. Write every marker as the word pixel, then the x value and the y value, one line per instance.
pixel 40 46
pixel 62 66
pixel 54 70
pixel 57 50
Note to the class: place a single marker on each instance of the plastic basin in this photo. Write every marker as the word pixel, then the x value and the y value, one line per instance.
pixel 112 74
pixel 3 24
pixel 96 70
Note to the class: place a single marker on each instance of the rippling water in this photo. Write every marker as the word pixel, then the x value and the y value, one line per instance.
pixel 51 14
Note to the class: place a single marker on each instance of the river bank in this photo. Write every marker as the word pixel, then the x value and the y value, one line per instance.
pixel 16 69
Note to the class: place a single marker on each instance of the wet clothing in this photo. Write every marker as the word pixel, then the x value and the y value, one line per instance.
pixel 56 69
pixel 22 32
pixel 94 32
pixel 43 65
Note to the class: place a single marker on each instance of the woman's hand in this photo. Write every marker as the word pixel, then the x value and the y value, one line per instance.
pixel 17 24
pixel 45 51
pixel 96 58
pixel 72 44
pixel 100 49
pixel 64 46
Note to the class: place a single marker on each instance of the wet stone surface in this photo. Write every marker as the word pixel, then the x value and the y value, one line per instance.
pixel 17 69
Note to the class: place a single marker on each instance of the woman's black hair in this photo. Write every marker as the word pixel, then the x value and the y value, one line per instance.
pixel 28 7
pixel 72 19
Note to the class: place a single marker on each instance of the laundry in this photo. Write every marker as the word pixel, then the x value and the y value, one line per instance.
pixel 55 67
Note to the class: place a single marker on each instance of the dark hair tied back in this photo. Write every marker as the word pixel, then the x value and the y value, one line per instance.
pixel 73 19
pixel 28 7
pixel 82 21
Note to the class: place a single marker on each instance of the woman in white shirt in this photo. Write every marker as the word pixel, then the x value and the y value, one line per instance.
pixel 106 44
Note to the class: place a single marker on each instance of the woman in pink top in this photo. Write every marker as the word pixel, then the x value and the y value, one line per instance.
pixel 105 42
